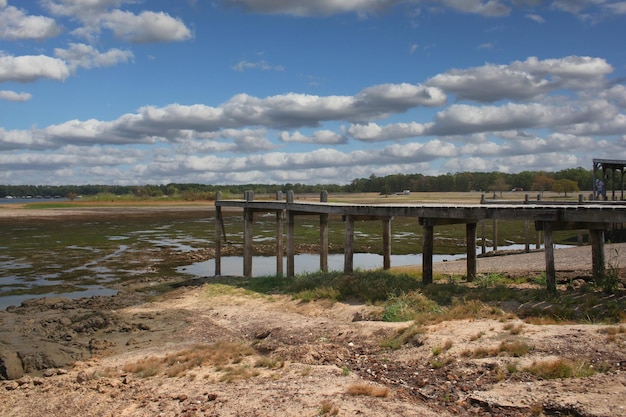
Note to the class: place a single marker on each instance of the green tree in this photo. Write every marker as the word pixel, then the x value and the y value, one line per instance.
pixel 500 184
pixel 565 186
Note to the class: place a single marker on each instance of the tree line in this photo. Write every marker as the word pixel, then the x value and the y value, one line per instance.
pixel 569 180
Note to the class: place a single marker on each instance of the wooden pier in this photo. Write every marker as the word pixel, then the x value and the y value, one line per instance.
pixel 594 216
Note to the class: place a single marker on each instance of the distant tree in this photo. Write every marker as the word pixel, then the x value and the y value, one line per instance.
pixel 500 184
pixel 542 183
pixel 565 186
pixel 71 196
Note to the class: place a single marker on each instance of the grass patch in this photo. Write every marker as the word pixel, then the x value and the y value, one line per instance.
pixel 369 390
pixel 409 335
pixel 514 348
pixel 221 354
pixel 561 368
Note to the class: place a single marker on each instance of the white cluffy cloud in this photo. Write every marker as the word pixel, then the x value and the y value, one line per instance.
pixel 17 24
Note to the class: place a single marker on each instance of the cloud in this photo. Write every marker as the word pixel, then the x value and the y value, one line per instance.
pixel 536 18
pixel 320 137
pixel 522 80
pixel 241 66
pixel 146 27
pixel 312 8
pixel 16 24
pixel 14 96
pixel 372 132
pixel 464 119
pixel 86 56
pixel 29 68
pixel 488 8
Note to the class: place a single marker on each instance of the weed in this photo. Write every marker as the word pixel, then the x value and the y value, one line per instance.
pixel 404 336
pixel 561 368
pixel 368 390
pixel 515 348
pixel 513 329
pixel 345 371
pixel 328 408
pixel 175 364
pixel 477 336
pixel 269 362
pixel 408 307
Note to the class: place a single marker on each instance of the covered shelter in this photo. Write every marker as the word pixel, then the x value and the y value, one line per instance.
pixel 605 174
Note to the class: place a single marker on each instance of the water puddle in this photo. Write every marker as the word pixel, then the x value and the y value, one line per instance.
pixel 90 291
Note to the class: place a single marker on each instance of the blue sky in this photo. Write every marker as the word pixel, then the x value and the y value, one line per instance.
pixel 304 91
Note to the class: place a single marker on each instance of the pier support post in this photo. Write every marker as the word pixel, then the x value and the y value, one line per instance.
pixel 280 216
pixel 248 217
pixel 219 229
pixel 387 243
pixel 596 236
pixel 348 255
pixel 291 238
pixel 549 254
pixel 324 235
pixel 470 232
pixel 427 251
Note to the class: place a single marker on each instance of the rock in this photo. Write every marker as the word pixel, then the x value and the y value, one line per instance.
pixel 11 366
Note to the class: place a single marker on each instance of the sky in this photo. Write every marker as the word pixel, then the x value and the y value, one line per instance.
pixel 135 92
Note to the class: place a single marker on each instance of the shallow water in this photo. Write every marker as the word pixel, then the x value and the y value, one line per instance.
pixel 308 263
pixel 92 255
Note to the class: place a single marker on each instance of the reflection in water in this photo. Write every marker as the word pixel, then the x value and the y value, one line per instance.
pixel 305 263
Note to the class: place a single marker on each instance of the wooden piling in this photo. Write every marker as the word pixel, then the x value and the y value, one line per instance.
pixel 427 251
pixel 596 237
pixel 291 238
pixel 324 235
pixel 280 216
pixel 549 255
pixel 348 252
pixel 219 229
pixel 387 243
pixel 248 219
pixel 470 232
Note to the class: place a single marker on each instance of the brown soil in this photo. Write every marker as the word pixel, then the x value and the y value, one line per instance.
pixel 81 355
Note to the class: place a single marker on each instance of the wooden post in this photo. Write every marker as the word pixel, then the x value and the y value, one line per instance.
pixel 483 246
pixel 549 253
pixel 291 236
pixel 387 243
pixel 348 256
pixel 280 217
pixel 427 251
pixel 248 217
pixel 596 236
pixel 495 235
pixel 470 232
pixel 324 235
pixel 219 225
pixel 526 235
